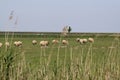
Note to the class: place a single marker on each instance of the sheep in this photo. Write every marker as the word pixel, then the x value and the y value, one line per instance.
pixel 44 43
pixel 7 44
pixel 55 41
pixel 34 42
pixel 64 42
pixel 18 43
pixel 1 44
pixel 84 40
pixel 15 43
pixel 78 39
pixel 81 41
pixel 91 40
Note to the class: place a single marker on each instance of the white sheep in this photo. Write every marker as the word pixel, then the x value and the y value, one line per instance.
pixel 78 39
pixel 81 41
pixel 44 43
pixel 55 41
pixel 84 40
pixel 15 43
pixel 64 42
pixel 91 40
pixel 18 43
pixel 34 42
pixel 1 44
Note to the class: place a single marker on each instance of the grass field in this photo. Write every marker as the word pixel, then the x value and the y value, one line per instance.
pixel 90 61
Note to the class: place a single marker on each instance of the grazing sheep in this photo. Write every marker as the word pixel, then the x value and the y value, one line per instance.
pixel 7 44
pixel 18 43
pixel 44 43
pixel 81 41
pixel 91 40
pixel 15 43
pixel 1 44
pixel 64 42
pixel 34 42
pixel 84 40
pixel 78 39
pixel 55 41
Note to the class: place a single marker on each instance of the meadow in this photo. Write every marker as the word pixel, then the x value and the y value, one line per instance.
pixel 90 61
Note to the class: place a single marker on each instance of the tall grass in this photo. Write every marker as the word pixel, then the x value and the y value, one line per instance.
pixel 77 62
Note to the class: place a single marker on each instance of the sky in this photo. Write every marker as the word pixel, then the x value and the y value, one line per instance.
pixel 53 15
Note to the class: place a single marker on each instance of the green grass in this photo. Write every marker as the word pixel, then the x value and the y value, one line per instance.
pixel 97 61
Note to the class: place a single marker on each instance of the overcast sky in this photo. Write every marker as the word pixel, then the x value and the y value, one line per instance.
pixel 53 15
